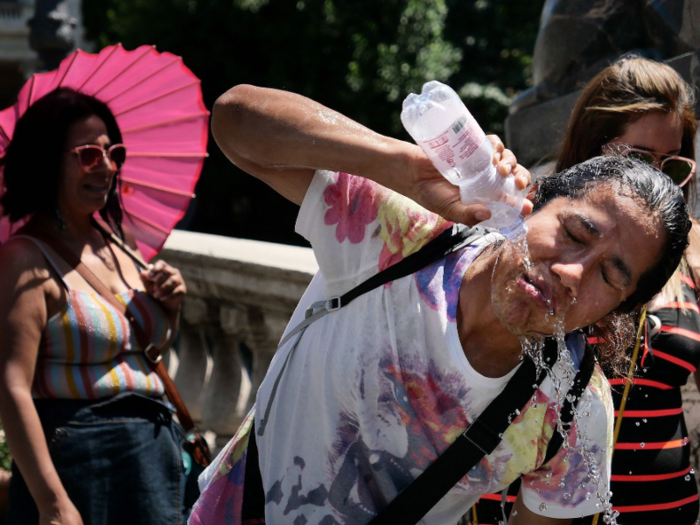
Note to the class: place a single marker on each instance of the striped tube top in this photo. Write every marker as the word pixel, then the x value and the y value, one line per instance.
pixel 89 351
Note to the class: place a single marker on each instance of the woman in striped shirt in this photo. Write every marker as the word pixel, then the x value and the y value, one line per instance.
pixel 91 440
pixel 643 108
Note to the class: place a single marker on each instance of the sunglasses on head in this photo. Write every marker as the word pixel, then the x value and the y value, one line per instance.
pixel 680 169
pixel 90 156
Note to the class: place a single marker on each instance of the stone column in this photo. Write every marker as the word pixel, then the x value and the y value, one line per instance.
pixel 193 366
pixel 223 410
pixel 266 329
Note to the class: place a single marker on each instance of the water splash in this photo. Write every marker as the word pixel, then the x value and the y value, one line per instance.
pixel 562 381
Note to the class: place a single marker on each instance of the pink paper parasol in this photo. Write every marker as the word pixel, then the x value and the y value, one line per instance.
pixel 158 104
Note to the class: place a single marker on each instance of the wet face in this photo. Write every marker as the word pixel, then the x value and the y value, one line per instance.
pixel 588 255
pixel 82 192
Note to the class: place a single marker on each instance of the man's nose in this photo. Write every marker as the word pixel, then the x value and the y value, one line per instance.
pixel 570 273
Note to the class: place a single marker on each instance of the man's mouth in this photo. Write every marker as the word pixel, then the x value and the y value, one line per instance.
pixel 538 289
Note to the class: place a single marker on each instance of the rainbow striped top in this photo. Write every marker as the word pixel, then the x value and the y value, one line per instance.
pixel 88 350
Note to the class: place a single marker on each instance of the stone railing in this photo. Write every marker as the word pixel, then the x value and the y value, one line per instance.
pixel 241 294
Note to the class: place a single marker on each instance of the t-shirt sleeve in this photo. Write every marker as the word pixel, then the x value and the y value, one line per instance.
pixel 569 484
pixel 357 227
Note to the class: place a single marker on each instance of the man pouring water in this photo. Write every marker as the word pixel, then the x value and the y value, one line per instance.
pixel 361 399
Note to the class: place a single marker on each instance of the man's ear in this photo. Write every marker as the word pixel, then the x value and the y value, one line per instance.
pixel 531 192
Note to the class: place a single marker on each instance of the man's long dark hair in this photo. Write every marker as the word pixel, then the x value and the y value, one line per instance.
pixel 32 162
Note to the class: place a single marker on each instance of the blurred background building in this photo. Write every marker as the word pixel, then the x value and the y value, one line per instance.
pixel 34 36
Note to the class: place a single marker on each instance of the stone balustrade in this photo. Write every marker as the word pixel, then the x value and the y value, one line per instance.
pixel 241 295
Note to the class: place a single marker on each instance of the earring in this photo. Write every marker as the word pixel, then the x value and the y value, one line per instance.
pixel 59 219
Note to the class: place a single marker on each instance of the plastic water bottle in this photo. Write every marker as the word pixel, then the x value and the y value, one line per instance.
pixel 440 123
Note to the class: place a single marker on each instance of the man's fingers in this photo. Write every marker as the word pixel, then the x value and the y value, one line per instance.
pixel 472 214
pixel 496 143
pixel 522 177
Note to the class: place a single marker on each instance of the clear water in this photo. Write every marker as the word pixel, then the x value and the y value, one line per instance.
pixel 533 347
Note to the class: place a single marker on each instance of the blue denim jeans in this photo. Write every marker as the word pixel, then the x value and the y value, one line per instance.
pixel 119 459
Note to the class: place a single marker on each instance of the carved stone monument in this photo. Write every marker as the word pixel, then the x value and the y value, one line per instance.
pixel 52 33
pixel 577 40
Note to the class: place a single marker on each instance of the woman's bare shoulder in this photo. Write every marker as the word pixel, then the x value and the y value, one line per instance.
pixel 22 260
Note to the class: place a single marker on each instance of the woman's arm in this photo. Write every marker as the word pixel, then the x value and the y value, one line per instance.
pixel 283 138
pixel 23 315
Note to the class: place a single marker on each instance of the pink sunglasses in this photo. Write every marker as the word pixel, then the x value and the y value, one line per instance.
pixel 90 156
pixel 680 169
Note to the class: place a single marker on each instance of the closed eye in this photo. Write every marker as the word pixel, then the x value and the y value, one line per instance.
pixel 571 236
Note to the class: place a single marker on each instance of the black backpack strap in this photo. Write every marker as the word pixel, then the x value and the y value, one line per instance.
pixel 480 439
pixel 452 239
pixel 583 376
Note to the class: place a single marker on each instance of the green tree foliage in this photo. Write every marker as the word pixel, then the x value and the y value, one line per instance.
pixel 360 57
pixel 496 38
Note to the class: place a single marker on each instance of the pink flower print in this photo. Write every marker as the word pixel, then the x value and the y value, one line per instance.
pixel 353 205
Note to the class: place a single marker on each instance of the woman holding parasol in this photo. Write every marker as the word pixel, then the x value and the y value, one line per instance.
pixel 91 439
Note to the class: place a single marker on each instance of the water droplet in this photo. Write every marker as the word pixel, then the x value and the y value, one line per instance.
pixel 514 513
pixel 630 472
pixel 574 300
pixel 548 475
pixel 644 420
pixel 517 412
pixel 692 471
pixel 687 477
pixel 561 485
pixel 543 506
pixel 637 423
pixel 567 496
pixel 642 445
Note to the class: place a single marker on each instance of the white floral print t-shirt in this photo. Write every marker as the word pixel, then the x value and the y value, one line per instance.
pixel 374 392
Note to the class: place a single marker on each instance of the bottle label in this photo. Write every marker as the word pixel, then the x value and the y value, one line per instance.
pixel 450 149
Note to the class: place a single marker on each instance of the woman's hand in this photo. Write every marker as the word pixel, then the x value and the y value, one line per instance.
pixel 434 192
pixel 165 283
pixel 63 512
